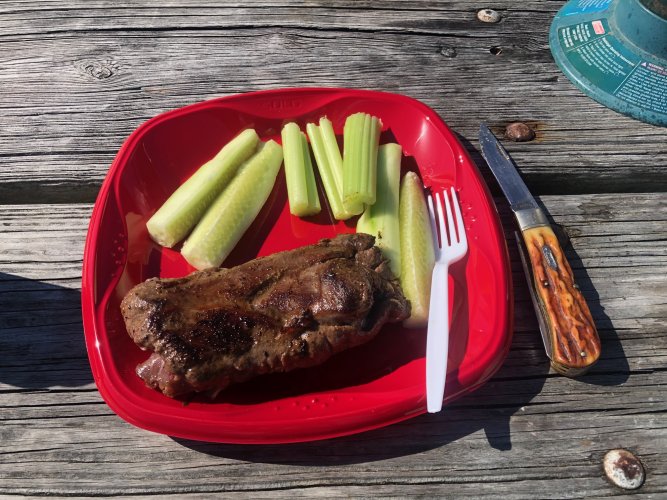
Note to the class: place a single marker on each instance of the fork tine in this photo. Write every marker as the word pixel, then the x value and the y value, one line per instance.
pixel 459 218
pixel 441 220
pixel 431 216
pixel 451 229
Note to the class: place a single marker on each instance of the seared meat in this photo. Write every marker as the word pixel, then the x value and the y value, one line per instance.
pixel 273 314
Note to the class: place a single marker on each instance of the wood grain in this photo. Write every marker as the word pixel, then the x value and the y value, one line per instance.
pixel 528 430
pixel 77 78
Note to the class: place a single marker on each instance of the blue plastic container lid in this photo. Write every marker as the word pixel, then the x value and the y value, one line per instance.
pixel 615 51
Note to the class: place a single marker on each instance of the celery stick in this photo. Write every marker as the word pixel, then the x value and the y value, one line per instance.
pixel 313 198
pixel 365 155
pixel 233 211
pixel 329 163
pixel 333 153
pixel 352 132
pixel 301 187
pixel 382 219
pixel 374 138
pixel 183 209
pixel 417 252
pixel 361 140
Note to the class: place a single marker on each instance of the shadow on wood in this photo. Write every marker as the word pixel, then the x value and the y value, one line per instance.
pixel 41 335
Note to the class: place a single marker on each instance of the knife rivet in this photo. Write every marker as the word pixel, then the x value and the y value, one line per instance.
pixel 582 354
pixel 576 287
pixel 519 132
pixel 624 469
pixel 488 16
pixel 545 283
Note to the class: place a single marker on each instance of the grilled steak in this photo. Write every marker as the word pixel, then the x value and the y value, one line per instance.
pixel 288 310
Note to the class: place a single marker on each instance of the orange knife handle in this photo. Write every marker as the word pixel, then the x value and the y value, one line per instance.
pixel 575 345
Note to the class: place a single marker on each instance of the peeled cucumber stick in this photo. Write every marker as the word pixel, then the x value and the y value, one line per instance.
pixel 382 218
pixel 233 211
pixel 301 186
pixel 330 165
pixel 417 252
pixel 183 209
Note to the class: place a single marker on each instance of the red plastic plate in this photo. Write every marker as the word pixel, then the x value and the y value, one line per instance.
pixel 364 388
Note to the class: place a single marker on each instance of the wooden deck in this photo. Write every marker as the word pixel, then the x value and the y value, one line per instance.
pixel 77 77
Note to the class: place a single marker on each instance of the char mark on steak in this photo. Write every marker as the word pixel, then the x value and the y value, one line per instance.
pixel 277 313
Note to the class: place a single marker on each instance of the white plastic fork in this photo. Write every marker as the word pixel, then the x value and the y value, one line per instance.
pixel 452 247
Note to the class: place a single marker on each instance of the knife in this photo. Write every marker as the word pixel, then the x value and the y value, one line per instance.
pixel 568 331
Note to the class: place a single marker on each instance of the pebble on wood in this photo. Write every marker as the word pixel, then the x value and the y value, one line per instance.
pixel 519 132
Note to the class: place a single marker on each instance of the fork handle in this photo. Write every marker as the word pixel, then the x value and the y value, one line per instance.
pixel 437 338
pixel 573 339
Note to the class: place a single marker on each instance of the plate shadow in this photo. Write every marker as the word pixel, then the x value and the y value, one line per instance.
pixel 489 409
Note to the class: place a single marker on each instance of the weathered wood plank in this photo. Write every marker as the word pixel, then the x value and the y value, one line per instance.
pixel 464 451
pixel 359 15
pixel 76 80
pixel 526 431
